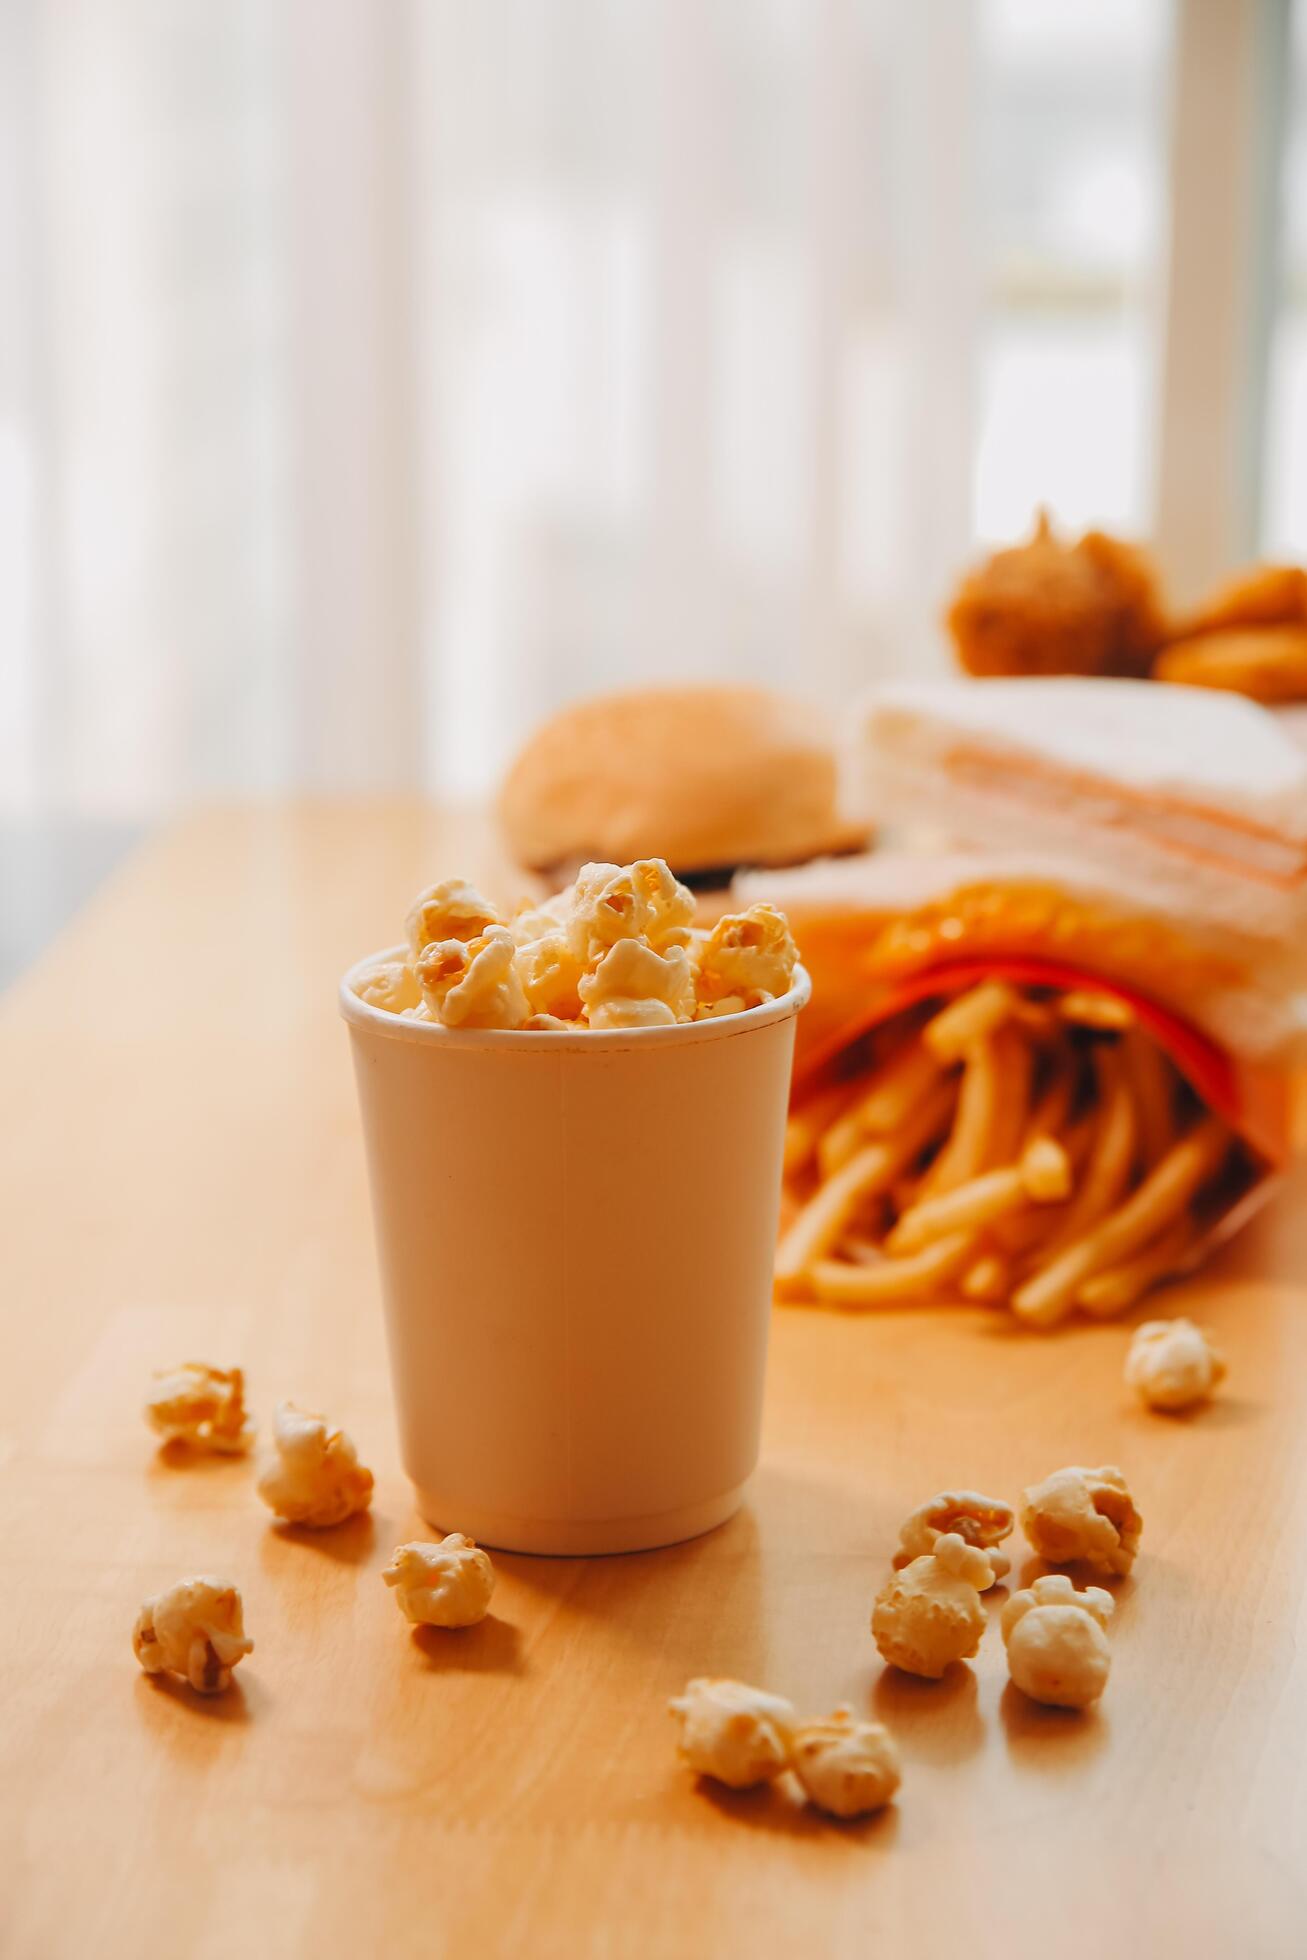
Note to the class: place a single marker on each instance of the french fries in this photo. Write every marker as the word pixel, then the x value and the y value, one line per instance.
pixel 1022 1147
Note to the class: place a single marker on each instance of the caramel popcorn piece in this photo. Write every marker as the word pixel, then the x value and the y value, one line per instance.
pixel 847 1767
pixel 202 1406
pixel 1172 1364
pixel 634 986
pixel 930 1613
pixel 392 985
pixel 977 1520
pixel 316 1478
pixel 442 1584
pixel 1083 1514
pixel 195 1629
pixel 474 984
pixel 751 955
pixel 736 1734
pixel 453 909
pixel 1057 1651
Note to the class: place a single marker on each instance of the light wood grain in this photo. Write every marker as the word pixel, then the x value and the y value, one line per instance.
pixel 182 1177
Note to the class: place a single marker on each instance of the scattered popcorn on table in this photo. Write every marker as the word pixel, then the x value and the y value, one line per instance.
pixel 1057 1651
pixel 982 1521
pixel 616 950
pixel 736 1734
pixel 1083 1514
pixel 847 1767
pixel 196 1629
pixel 316 1478
pixel 1172 1364
pixel 202 1406
pixel 452 909
pixel 442 1584
pixel 930 1613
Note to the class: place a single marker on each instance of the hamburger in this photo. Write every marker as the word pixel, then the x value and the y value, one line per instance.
pixel 710 778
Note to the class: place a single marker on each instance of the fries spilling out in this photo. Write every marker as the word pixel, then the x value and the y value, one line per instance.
pixel 1015 1145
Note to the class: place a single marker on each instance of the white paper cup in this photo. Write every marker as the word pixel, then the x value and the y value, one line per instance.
pixel 576 1234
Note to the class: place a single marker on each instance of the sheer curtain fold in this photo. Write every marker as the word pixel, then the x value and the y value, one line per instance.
pixel 383 376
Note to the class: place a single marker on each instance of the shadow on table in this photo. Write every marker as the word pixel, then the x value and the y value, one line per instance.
pixel 933 1721
pixel 235 1706
pixel 493 1646
pixel 349 1543
pixel 177 1455
pixel 774 1809
pixel 1050 1739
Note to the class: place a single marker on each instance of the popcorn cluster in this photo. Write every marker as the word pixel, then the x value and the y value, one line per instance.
pixel 617 949
pixel 929 1615
pixel 201 1406
pixel 743 1736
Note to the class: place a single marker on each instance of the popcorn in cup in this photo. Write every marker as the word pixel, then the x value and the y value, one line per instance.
pixel 575 1160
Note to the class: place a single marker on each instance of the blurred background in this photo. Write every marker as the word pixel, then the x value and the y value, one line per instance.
pixel 376 377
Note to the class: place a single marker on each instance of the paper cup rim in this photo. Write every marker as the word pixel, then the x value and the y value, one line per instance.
pixel 360 1013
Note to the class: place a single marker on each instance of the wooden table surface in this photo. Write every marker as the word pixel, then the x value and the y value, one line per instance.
pixel 182 1177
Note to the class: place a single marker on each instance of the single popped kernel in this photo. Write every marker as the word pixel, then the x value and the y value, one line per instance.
pixel 641 901
pixel 551 974
pixel 736 1734
pixel 550 1024
pixel 929 1614
pixel 1172 1364
pixel 453 909
pixel 1057 1651
pixel 847 1767
pixel 634 986
pixel 442 1584
pixel 1083 1514
pixel 748 954
pixel 979 1520
pixel 202 1406
pixel 316 1478
pixel 474 984
pixel 391 985
pixel 196 1629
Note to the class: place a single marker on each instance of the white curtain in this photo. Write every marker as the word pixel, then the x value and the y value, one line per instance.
pixel 377 374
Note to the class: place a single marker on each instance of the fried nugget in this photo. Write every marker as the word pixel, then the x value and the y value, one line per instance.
pixel 1048 607
pixel 1262 595
pixel 1267 664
